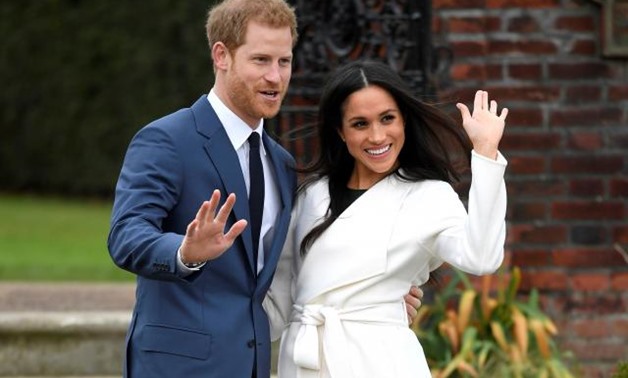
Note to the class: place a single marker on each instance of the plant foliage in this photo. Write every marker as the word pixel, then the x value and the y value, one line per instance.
pixel 622 370
pixel 471 333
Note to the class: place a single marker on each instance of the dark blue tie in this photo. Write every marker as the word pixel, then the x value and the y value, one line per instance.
pixel 256 192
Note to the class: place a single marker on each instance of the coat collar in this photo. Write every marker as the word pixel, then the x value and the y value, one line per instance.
pixel 359 238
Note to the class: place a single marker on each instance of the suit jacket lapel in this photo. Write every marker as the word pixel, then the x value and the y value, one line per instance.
pixel 286 192
pixel 280 167
pixel 225 160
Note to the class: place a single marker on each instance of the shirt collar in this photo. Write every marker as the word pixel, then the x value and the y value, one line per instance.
pixel 237 130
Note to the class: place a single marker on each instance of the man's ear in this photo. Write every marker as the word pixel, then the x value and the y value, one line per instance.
pixel 220 56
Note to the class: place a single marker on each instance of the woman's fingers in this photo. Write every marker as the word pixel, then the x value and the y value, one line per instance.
pixel 504 114
pixel 493 108
pixel 477 101
pixel 481 102
pixel 464 111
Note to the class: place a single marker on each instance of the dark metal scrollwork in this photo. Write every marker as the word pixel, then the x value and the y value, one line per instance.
pixel 333 32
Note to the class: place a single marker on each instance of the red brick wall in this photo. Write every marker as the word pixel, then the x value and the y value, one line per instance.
pixel 567 146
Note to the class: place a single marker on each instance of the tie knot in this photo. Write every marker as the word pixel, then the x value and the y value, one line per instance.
pixel 254 140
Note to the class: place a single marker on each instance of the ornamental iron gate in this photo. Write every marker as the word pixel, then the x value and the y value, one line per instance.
pixel 332 32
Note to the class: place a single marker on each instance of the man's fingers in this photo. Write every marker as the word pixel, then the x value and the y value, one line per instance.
pixel 202 213
pixel 416 292
pixel 226 208
pixel 412 313
pixel 191 230
pixel 213 204
pixel 235 230
pixel 413 301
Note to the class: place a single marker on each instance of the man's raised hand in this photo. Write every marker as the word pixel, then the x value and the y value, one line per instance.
pixel 205 238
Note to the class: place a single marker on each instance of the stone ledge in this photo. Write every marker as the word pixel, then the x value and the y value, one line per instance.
pixel 64 322
pixel 88 344
pixel 66 330
pixel 66 296
pixel 84 344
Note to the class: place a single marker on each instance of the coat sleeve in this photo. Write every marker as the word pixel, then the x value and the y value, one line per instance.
pixel 147 190
pixel 473 241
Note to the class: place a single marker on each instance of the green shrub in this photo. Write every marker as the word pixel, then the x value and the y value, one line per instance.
pixel 622 370
pixel 79 78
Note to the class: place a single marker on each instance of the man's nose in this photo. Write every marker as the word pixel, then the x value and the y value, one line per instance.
pixel 273 74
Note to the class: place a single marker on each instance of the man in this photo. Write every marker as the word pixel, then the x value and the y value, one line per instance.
pixel 202 268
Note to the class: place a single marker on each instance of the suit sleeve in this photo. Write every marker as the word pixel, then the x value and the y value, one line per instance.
pixel 147 190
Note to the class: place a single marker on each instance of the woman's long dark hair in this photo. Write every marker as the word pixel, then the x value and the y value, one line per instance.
pixel 434 147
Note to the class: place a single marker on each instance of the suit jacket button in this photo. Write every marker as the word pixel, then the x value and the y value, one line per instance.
pixel 250 343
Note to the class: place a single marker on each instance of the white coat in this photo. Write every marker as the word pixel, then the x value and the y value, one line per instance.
pixel 343 301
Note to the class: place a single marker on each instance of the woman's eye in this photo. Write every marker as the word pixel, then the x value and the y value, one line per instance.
pixel 388 118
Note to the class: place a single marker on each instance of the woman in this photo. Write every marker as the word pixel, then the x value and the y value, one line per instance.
pixel 378 213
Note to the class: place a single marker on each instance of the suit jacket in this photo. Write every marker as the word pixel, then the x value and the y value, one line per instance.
pixel 350 321
pixel 210 323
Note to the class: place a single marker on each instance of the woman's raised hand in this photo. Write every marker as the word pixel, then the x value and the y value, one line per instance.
pixel 484 126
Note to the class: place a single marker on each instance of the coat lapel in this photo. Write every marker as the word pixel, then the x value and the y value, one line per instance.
pixel 355 247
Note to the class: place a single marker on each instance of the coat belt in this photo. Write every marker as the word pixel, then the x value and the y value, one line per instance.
pixel 334 342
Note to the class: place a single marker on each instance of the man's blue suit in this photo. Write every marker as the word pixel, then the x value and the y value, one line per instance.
pixel 211 323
